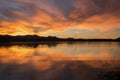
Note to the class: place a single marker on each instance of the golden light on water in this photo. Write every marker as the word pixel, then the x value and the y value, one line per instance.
pixel 49 60
pixel 22 54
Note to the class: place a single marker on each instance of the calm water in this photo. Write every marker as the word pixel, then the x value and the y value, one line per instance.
pixel 60 61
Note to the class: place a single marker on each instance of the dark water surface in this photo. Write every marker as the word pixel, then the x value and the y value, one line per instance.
pixel 60 61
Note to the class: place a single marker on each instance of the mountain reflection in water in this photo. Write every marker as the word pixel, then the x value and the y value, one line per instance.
pixel 60 61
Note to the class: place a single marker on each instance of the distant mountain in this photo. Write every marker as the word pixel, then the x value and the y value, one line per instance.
pixel 35 38
pixel 118 39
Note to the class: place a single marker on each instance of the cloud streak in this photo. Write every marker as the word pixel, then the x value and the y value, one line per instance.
pixel 21 17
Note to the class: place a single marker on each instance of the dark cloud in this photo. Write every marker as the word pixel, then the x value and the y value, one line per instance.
pixel 81 9
pixel 65 6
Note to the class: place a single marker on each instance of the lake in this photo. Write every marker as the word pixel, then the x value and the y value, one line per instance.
pixel 60 61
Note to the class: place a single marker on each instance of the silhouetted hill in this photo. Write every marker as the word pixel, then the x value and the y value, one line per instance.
pixel 118 39
pixel 35 38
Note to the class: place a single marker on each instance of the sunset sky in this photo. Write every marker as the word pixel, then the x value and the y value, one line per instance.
pixel 61 18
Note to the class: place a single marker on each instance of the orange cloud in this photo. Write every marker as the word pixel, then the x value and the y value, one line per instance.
pixel 101 22
pixel 37 17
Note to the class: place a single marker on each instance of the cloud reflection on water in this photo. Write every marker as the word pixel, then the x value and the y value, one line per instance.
pixel 59 62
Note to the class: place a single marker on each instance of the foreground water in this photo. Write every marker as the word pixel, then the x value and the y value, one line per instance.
pixel 60 61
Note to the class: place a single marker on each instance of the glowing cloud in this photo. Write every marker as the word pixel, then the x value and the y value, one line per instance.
pixel 23 17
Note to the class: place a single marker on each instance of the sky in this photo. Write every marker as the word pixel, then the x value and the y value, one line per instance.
pixel 61 18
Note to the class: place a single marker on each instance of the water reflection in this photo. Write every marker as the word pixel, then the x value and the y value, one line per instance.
pixel 60 61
